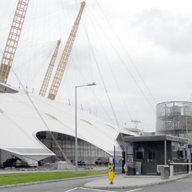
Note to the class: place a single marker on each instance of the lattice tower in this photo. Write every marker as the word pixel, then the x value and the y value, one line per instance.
pixel 13 39
pixel 49 71
pixel 65 56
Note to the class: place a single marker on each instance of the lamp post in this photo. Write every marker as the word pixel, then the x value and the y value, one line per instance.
pixel 76 154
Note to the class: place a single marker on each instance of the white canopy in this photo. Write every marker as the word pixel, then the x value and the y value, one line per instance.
pixel 21 119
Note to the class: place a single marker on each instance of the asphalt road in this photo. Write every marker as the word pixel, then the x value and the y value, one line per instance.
pixel 76 185
pixel 182 185
pixel 61 186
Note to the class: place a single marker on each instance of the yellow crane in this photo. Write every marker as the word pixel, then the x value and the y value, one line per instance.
pixel 49 71
pixel 65 56
pixel 13 39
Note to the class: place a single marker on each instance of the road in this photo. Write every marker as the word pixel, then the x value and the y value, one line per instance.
pixel 182 185
pixel 76 185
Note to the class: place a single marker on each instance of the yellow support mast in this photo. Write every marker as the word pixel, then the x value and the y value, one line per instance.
pixel 49 71
pixel 65 56
pixel 13 39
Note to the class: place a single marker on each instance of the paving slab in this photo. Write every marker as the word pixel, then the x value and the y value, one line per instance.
pixel 124 181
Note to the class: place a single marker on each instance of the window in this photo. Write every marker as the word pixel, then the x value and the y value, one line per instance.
pixel 151 154
pixel 139 153
pixel 179 151
pixel 181 154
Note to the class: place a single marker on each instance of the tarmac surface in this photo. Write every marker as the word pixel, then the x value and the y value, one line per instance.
pixel 134 181
pixel 119 181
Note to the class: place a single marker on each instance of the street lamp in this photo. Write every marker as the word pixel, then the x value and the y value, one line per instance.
pixel 76 154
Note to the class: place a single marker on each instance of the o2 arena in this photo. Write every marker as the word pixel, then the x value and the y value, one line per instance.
pixel 29 123
pixel 38 129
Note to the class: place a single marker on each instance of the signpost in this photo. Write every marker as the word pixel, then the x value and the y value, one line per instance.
pixel 111 173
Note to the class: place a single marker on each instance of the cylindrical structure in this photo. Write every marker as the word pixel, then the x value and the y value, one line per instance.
pixel 174 118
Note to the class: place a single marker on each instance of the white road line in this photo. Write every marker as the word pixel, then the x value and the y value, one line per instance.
pixel 94 189
pixel 71 189
pixel 135 190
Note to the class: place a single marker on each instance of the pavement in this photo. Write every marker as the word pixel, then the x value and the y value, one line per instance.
pixel 131 181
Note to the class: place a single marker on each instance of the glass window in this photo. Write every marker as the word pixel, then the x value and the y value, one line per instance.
pixel 139 153
pixel 181 153
pixel 151 154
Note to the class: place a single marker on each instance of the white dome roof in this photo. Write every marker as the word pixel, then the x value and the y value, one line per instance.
pixel 20 121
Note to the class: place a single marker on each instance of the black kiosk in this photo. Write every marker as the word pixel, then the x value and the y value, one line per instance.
pixel 146 154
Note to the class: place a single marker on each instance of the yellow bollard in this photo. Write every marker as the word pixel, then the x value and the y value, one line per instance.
pixel 111 173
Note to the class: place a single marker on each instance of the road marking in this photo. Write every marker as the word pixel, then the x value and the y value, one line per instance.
pixel 71 189
pixel 135 190
pixel 94 189
pixel 98 189
pixel 180 180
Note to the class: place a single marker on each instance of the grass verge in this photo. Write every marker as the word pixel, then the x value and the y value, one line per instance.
pixel 16 178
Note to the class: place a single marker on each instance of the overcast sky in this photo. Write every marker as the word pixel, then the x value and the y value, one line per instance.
pixel 139 53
